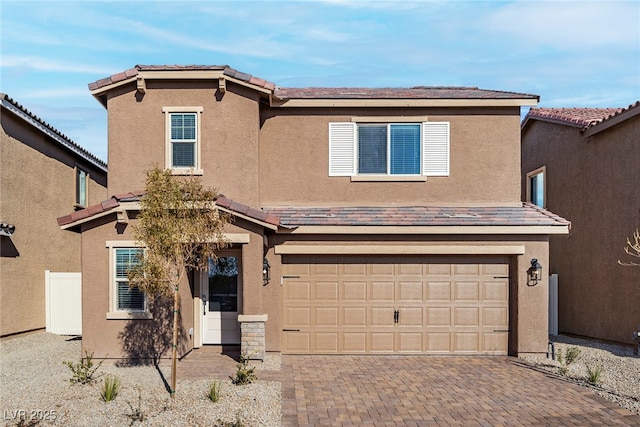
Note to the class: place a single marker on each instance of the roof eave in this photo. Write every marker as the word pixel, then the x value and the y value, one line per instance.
pixel 402 102
pixel 431 229
pixel 613 121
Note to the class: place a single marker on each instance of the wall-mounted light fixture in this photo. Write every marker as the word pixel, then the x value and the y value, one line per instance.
pixel 266 272
pixel 534 272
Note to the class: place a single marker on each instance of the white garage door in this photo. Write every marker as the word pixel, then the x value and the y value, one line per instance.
pixel 376 304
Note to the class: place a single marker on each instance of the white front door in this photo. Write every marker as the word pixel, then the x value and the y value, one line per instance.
pixel 221 288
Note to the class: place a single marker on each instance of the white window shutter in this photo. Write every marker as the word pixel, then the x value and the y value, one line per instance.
pixel 342 149
pixel 435 148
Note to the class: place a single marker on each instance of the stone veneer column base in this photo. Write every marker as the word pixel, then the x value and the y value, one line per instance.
pixel 252 331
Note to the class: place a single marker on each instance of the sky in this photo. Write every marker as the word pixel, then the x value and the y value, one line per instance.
pixel 570 53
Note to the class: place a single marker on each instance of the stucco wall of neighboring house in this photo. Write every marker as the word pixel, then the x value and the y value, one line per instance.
pixel 37 184
pixel 594 183
pixel 484 160
pixel 229 135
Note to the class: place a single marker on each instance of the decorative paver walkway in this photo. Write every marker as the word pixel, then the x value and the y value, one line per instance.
pixel 419 391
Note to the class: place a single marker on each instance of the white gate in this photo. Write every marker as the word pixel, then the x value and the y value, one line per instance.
pixel 553 304
pixel 63 303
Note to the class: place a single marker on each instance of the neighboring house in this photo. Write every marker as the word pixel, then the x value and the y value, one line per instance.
pixel 365 220
pixel 43 174
pixel 584 164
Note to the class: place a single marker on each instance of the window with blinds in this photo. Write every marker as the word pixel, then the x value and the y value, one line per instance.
pixel 127 298
pixel 183 140
pixel 409 149
pixel 82 179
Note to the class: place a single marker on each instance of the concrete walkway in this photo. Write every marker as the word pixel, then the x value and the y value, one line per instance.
pixel 435 391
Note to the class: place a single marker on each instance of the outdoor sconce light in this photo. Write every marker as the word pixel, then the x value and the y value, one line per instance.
pixel 266 272
pixel 534 272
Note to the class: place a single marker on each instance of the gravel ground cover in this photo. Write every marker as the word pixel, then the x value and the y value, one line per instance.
pixel 35 386
pixel 620 378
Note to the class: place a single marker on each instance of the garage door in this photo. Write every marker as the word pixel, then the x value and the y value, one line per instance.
pixel 429 305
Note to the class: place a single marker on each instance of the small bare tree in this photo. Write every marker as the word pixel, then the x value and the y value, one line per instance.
pixel 180 229
pixel 632 249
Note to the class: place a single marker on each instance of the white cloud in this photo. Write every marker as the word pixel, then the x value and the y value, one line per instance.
pixel 39 63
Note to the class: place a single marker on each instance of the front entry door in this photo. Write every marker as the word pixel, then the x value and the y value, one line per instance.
pixel 221 288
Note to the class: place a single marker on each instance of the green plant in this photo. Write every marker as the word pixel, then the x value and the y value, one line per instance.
pixel 570 355
pixel 215 387
pixel 110 388
pixel 244 374
pixel 136 413
pixel 594 374
pixel 83 371
pixel 236 423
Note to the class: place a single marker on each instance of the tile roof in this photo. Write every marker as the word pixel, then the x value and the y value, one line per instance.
pixel 135 196
pixel 524 215
pixel 14 106
pixel 293 217
pixel 226 70
pixel 416 92
pixel 578 117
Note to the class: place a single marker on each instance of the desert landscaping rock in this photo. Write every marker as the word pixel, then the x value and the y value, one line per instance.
pixel 35 384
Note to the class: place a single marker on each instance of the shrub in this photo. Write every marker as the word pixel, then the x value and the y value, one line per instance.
pixel 594 374
pixel 245 374
pixel 110 388
pixel 215 387
pixel 84 370
pixel 570 355
pixel 136 413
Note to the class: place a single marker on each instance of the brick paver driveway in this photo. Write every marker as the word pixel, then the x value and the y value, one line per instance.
pixel 438 391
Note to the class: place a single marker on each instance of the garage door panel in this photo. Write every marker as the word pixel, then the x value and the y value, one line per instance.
pixel 409 342
pixel 445 305
pixel 466 316
pixel 496 291
pixel 382 291
pixel 326 291
pixel 439 317
pixel 354 342
pixel 354 316
pixel 410 291
pixel 438 342
pixel 382 342
pixel 495 317
pixel 411 316
pixel 298 291
pixel 354 291
pixel 438 291
pixel 467 291
pixel 325 342
pixel 466 342
pixel 326 316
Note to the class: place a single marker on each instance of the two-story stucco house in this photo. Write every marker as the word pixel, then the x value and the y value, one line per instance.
pixel 373 221
pixel 43 174
pixel 584 164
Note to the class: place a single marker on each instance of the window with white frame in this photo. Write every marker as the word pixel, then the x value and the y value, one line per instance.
pixel 125 301
pixel 82 188
pixel 183 138
pixel 536 187
pixel 389 149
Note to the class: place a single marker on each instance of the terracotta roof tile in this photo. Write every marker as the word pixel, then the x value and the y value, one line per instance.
pixel 416 92
pixel 524 215
pixel 578 117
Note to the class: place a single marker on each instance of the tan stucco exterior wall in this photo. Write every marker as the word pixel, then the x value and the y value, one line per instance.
pixel 37 185
pixel 484 161
pixel 229 135
pixel 594 183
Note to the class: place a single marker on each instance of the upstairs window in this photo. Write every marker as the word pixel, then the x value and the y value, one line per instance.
pixel 389 149
pixel 536 187
pixel 82 188
pixel 183 139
